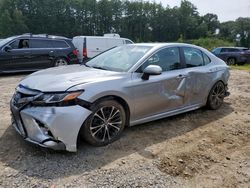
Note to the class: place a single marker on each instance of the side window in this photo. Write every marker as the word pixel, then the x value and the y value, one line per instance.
pixel 206 59
pixel 128 42
pixel 59 44
pixel 168 59
pixel 193 57
pixel 216 51
pixel 37 43
pixel 233 50
pixel 224 50
pixel 20 43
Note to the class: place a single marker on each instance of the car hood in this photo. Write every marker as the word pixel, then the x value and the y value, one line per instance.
pixel 64 77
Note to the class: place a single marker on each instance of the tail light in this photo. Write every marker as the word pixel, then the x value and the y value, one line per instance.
pixel 84 52
pixel 75 52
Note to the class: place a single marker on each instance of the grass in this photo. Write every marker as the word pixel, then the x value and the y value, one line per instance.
pixel 241 67
pixel 210 43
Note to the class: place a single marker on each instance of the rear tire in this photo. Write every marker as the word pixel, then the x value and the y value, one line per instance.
pixel 231 61
pixel 216 96
pixel 61 62
pixel 105 124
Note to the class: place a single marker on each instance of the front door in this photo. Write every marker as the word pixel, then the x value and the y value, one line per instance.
pixel 20 54
pixel 161 93
pixel 5 60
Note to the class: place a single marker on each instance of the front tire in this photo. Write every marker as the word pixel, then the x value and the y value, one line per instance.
pixel 216 96
pixel 105 124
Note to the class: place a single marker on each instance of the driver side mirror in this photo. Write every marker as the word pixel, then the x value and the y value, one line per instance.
pixel 7 48
pixel 151 70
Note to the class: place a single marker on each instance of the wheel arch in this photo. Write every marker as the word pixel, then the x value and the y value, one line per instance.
pixel 118 99
pixel 232 57
pixel 212 85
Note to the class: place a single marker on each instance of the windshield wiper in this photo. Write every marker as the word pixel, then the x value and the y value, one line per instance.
pixel 97 67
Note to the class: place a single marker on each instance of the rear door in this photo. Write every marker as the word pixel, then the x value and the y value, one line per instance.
pixel 42 53
pixel 198 76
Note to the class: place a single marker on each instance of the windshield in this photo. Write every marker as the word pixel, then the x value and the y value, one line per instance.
pixel 119 59
pixel 4 41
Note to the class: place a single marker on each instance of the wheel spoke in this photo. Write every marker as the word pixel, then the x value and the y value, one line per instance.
pixel 114 114
pixel 117 122
pixel 111 112
pixel 108 133
pixel 97 131
pixel 99 117
pixel 104 135
pixel 114 126
pixel 103 114
pixel 98 126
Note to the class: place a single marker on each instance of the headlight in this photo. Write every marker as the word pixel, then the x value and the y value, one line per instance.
pixel 58 97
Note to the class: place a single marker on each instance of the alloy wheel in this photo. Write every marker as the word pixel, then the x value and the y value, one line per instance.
pixel 61 62
pixel 106 123
pixel 231 61
pixel 217 95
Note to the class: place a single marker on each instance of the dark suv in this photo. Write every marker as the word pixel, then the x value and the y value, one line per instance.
pixel 29 52
pixel 233 55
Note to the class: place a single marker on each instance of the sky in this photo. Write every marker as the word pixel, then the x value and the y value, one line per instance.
pixel 225 9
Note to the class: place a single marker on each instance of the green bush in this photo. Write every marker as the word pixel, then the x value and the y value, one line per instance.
pixel 210 43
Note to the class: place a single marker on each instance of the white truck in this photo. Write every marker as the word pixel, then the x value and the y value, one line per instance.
pixel 90 46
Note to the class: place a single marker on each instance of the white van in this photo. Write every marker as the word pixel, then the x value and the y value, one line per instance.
pixel 90 46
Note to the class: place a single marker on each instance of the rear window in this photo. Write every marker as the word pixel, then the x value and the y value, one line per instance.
pixel 128 42
pixel 216 51
pixel 37 43
pixel 60 44
pixel 193 57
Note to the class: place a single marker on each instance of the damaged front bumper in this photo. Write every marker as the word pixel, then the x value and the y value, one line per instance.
pixel 49 126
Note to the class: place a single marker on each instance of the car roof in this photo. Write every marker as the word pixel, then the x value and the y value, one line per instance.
pixel 158 44
pixel 233 47
pixel 100 37
pixel 41 36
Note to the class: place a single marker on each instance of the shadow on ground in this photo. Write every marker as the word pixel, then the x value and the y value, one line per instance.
pixel 33 161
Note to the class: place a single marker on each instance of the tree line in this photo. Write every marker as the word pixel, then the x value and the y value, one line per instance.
pixel 141 21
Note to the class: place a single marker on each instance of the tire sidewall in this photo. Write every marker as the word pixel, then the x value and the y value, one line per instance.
pixel 210 97
pixel 231 58
pixel 60 58
pixel 85 131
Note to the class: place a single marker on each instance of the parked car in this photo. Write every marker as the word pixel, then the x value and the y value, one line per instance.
pixel 125 86
pixel 29 52
pixel 90 46
pixel 233 55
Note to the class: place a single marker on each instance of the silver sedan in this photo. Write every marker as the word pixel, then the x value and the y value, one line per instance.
pixel 125 86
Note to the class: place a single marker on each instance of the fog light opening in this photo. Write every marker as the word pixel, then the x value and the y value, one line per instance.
pixel 45 129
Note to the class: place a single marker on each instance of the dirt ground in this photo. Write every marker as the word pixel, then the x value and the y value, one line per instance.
pixel 202 148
